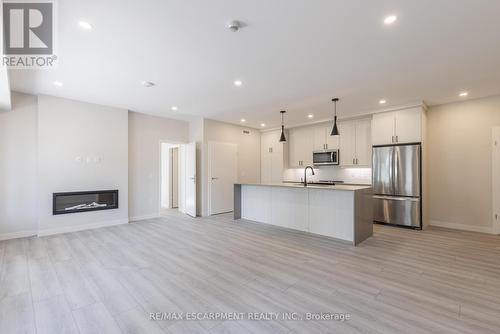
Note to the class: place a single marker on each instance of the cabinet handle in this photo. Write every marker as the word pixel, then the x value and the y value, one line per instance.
pixel 326 146
pixel 353 161
pixel 393 139
pixel 356 161
pixel 397 139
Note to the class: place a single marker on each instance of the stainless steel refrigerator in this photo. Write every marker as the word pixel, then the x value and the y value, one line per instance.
pixel 397 175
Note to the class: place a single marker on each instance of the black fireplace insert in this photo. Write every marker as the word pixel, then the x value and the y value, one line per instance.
pixel 83 201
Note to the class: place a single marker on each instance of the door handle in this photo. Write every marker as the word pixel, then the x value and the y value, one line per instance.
pixel 215 178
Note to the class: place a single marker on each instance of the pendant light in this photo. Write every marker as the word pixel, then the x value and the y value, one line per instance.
pixel 282 138
pixel 335 130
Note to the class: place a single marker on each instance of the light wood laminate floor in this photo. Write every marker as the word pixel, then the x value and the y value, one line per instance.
pixel 109 280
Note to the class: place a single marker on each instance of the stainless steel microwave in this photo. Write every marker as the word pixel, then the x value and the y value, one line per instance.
pixel 327 157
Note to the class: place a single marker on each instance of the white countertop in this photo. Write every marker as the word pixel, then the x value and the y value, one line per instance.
pixel 344 187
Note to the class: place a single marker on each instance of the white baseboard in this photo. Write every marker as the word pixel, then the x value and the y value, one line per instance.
pixel 82 227
pixel 462 227
pixel 144 217
pixel 19 234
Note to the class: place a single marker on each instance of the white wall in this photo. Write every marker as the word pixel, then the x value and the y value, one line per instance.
pixel 459 153
pixel 98 135
pixel 145 136
pixel 248 152
pixel 18 168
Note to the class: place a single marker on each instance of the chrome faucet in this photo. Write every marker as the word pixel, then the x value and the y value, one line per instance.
pixel 305 174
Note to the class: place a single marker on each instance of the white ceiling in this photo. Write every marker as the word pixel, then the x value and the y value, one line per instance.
pixel 293 55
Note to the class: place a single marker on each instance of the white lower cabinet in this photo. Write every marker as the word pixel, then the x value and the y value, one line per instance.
pixel 331 213
pixel 325 212
pixel 289 208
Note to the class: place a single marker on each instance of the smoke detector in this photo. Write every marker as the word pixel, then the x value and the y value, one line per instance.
pixel 234 25
pixel 147 84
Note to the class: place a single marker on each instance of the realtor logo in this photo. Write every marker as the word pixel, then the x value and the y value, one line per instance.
pixel 28 33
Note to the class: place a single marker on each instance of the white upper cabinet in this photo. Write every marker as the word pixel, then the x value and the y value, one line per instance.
pixel 409 126
pixel 323 140
pixel 355 143
pixel 272 157
pixel 301 143
pixel 397 127
pixel 383 128
pixel 347 152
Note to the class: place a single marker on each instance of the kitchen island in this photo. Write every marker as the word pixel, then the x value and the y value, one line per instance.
pixel 342 212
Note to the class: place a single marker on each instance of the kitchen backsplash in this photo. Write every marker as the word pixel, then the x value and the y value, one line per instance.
pixel 348 175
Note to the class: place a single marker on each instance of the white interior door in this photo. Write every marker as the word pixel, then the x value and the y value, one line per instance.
pixel 222 175
pixel 496 179
pixel 190 202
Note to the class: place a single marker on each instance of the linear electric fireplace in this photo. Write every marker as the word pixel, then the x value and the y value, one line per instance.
pixel 83 201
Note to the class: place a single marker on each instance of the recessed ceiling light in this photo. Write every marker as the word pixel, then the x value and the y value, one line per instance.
pixel 147 83
pixel 262 124
pixel 390 19
pixel 463 94
pixel 310 115
pixel 174 108
pixel 238 83
pixel 382 101
pixel 243 120
pixel 85 25
pixel 58 83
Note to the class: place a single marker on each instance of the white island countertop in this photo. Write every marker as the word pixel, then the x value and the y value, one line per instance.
pixel 346 187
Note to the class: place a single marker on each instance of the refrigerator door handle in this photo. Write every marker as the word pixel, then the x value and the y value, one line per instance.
pixel 391 198
pixel 395 162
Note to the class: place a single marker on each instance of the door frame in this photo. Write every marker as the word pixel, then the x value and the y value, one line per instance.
pixel 495 178
pixel 160 179
pixel 210 147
